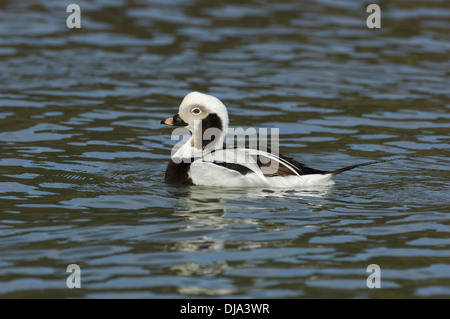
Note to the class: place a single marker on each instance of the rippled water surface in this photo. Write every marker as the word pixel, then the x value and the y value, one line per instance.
pixel 83 153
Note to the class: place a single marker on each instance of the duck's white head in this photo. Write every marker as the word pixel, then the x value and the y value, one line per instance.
pixel 205 116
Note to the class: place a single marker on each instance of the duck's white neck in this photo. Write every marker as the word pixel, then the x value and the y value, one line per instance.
pixel 201 143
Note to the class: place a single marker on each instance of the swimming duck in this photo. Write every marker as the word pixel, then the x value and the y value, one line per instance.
pixel 202 160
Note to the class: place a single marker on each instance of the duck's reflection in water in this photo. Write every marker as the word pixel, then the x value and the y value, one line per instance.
pixel 208 207
pixel 211 215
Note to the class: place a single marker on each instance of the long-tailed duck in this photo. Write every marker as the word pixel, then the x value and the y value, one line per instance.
pixel 202 160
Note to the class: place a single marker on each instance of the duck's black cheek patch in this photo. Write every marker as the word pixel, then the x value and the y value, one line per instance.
pixel 214 122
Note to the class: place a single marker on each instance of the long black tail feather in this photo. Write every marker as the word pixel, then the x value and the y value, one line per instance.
pixel 347 168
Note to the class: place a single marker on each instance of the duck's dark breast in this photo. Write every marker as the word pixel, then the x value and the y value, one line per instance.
pixel 178 173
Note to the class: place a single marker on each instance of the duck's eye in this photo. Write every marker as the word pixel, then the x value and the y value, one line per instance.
pixel 196 111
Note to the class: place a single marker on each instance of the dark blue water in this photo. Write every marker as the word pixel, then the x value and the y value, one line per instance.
pixel 83 153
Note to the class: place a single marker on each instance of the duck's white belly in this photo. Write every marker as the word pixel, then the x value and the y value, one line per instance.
pixel 209 174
